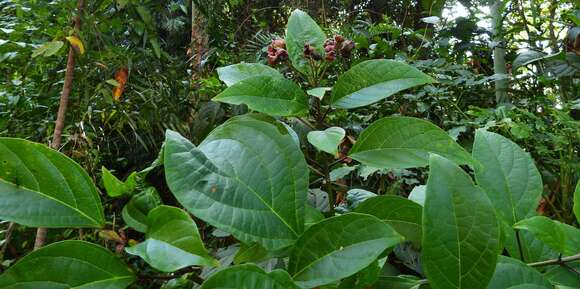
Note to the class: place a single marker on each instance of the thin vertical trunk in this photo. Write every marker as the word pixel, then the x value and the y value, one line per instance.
pixel 60 118
pixel 199 40
pixel 499 67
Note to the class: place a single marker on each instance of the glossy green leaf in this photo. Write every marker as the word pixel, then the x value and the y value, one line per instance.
pixel 339 247
pixel 232 74
pixel 397 282
pixel 250 253
pixel 511 272
pixel 402 214
pixel 66 265
pixel 249 276
pixel 248 171
pixel 172 241
pixel 532 248
pixel 341 172
pixel 273 95
pixel 460 231
pixel 135 211
pixel 327 140
pixel 405 142
pixel 40 187
pixel 302 29
pixel 561 237
pixel 507 175
pixel 577 202
pixel 116 188
pixel 374 80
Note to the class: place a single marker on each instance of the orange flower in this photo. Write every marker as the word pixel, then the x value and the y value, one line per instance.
pixel 121 77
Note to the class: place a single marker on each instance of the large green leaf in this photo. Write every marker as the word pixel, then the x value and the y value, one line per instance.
pixel 249 276
pixel 405 142
pixel 374 80
pixel 173 241
pixel 40 187
pixel 563 275
pixel 232 74
pixel 460 231
pixel 273 95
pixel 135 211
pixel 338 247
pixel 402 214
pixel 511 272
pixel 300 30
pixel 507 175
pixel 248 178
pixel 66 265
pixel 559 236
pixel 327 140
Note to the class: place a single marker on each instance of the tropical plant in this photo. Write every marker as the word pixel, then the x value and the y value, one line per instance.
pixel 274 184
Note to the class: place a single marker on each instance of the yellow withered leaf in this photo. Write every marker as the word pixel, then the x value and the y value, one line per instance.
pixel 77 44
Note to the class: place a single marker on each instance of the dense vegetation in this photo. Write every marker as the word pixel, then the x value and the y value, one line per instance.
pixel 290 144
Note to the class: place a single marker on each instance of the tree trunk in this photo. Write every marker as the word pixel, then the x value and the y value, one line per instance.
pixel 499 67
pixel 59 126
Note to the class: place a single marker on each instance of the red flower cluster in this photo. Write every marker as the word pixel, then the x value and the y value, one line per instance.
pixel 337 45
pixel 277 52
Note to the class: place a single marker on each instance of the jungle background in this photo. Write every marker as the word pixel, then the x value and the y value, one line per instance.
pixel 144 66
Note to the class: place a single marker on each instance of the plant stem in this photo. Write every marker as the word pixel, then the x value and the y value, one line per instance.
pixel 520 249
pixel 7 238
pixel 557 261
pixel 59 126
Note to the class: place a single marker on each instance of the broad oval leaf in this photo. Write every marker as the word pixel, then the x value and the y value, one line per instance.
pixel 508 176
pixel 135 211
pixel 173 241
pixel 302 29
pixel 248 178
pixel 273 95
pixel 249 276
pixel 232 74
pixel 402 214
pixel 68 264
pixel 338 247
pixel 374 80
pixel 511 272
pixel 327 140
pixel 405 142
pixel 460 230
pixel 559 236
pixel 40 187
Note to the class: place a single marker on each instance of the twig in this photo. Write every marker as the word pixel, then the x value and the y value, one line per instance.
pixel 7 238
pixel 557 261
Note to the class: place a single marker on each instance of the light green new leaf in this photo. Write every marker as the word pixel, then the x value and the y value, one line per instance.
pixel 339 247
pixel 374 80
pixel 135 211
pixel 232 74
pixel 577 202
pixel 248 178
pixel 66 265
pixel 116 188
pixel 48 48
pixel 559 236
pixel 327 140
pixel 273 95
pixel 402 214
pixel 172 241
pixel 460 231
pixel 302 29
pixel 40 187
pixel 511 273
pixel 507 175
pixel 405 142
pixel 318 92
pixel 249 276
